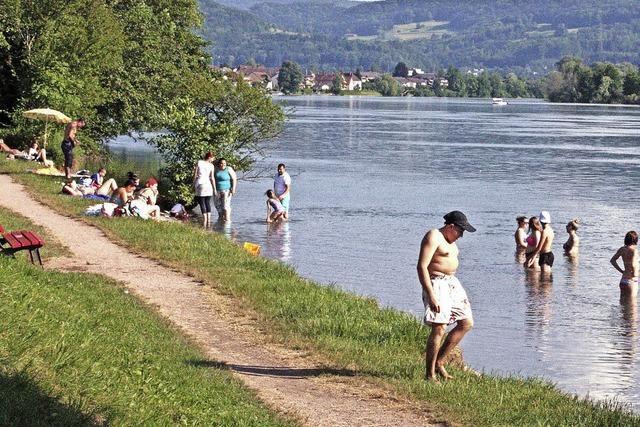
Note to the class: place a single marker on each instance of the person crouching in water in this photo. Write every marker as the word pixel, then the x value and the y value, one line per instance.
pixel 629 254
pixel 275 210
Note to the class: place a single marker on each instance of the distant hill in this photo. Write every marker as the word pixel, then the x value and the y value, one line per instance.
pixel 508 34
pixel 247 4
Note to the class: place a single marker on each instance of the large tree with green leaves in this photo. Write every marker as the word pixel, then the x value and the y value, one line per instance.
pixel 127 66
pixel 290 77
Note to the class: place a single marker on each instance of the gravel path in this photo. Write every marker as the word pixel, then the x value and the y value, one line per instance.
pixel 291 382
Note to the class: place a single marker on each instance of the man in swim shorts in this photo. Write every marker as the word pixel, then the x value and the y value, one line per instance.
pixel 69 143
pixel 444 298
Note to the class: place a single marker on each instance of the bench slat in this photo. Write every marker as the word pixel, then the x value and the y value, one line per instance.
pixel 33 238
pixel 23 240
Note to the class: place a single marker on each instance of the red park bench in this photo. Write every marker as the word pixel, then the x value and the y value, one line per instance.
pixel 23 240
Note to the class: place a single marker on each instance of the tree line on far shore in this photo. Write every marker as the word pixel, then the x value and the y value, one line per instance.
pixel 601 82
pixel 572 81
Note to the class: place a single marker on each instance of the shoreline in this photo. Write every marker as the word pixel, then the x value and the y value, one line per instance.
pixel 380 342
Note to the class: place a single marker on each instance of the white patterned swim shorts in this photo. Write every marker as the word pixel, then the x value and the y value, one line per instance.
pixel 454 304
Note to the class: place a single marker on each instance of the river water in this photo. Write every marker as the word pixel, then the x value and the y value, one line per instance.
pixel 372 175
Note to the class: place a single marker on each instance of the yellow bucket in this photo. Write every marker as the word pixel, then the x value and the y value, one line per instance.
pixel 252 248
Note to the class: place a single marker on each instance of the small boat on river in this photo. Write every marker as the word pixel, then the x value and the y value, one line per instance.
pixel 498 101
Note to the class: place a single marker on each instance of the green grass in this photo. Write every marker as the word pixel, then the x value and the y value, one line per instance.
pixel 53 248
pixel 352 332
pixel 363 92
pixel 410 31
pixel 76 349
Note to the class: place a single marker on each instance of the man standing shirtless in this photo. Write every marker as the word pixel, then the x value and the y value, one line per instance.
pixel 444 297
pixel 69 143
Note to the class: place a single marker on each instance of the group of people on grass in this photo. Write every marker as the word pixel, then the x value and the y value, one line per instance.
pixel 215 181
pixel 124 199
pixel 446 301
pixel 39 154
pixel 33 153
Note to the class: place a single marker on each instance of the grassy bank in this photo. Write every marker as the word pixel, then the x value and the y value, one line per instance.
pixel 75 349
pixel 352 332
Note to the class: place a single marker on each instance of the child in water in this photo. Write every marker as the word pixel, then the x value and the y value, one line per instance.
pixel 275 211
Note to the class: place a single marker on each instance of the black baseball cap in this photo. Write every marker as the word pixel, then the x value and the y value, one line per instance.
pixel 459 219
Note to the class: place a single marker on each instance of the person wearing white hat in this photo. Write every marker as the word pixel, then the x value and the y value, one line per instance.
pixel 545 244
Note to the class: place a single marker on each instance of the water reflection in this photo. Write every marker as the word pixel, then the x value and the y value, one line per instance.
pixel 226 229
pixel 538 312
pixel 278 241
pixel 573 264
pixel 625 340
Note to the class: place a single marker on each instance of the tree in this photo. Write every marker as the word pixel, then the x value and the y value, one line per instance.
pixel 484 85
pixel 228 118
pixel 456 82
pixel 497 85
pixel 401 70
pixel 128 66
pixel 336 85
pixel 290 77
pixel 384 85
pixel 515 87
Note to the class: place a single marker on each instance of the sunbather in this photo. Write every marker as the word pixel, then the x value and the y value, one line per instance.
pixel 150 195
pixel 11 151
pixel 39 155
pixel 102 187
pixel 124 194
pixel 72 189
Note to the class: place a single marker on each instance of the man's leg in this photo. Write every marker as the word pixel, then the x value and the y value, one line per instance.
pixel 453 338
pixel 433 348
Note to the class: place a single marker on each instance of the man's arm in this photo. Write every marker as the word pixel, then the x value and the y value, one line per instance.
pixel 428 248
pixel 72 134
pixel 534 254
pixel 614 260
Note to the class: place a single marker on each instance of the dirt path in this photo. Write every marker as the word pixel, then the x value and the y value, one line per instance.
pixel 289 381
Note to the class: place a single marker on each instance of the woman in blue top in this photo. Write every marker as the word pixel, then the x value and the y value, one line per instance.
pixel 224 188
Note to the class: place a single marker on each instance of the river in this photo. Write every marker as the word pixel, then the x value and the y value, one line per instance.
pixel 372 175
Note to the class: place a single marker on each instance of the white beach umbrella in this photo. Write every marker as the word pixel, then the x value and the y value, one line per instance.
pixel 46 115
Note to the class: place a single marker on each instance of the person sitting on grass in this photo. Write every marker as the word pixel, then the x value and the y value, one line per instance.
pixel 39 155
pixel 102 187
pixel 124 194
pixel 275 210
pixel 149 194
pixel 135 178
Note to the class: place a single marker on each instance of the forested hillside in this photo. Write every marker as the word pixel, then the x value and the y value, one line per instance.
pixel 516 35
